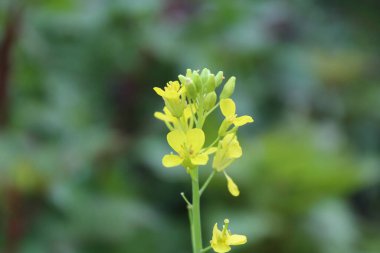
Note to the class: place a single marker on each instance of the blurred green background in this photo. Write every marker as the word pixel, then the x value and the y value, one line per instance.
pixel 80 151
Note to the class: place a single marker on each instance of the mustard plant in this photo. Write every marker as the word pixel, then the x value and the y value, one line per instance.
pixel 188 103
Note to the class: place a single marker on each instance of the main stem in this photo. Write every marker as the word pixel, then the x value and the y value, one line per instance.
pixel 197 233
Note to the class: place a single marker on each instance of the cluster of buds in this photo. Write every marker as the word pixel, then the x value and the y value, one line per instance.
pixel 188 103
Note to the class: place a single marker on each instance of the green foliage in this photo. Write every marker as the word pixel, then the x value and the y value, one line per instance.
pixel 80 153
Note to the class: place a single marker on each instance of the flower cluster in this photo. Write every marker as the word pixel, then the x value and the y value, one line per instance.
pixel 188 103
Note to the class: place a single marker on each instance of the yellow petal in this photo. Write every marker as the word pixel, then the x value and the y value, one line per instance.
pixel 228 108
pixel 176 140
pixel 189 111
pixel 217 163
pixel 234 150
pixel 170 94
pixel 159 91
pixel 164 117
pixel 232 187
pixel 171 160
pixel 160 116
pixel 174 85
pixel 228 139
pixel 195 138
pixel 240 121
pixel 236 240
pixel 220 247
pixel 200 159
pixel 216 233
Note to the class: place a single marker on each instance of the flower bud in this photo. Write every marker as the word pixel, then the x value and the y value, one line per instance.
pixel 211 84
pixel 228 88
pixel 219 78
pixel 205 75
pixel 189 73
pixel 197 81
pixel 186 81
pixel 191 90
pixel 182 79
pixel 210 100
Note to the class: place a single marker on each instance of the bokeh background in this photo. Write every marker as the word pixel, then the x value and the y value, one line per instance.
pixel 80 151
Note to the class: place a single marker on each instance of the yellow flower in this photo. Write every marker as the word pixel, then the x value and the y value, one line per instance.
pixel 228 151
pixel 173 95
pixel 228 108
pixel 189 148
pixel 222 240
pixel 172 90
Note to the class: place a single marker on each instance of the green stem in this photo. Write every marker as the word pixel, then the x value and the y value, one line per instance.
pixel 197 234
pixel 203 188
pixel 189 209
pixel 201 121
pixel 185 199
pixel 192 112
pixel 206 249
pixel 213 143
pixel 200 113
pixel 212 109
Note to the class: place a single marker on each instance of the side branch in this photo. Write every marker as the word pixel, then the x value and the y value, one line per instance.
pixel 203 188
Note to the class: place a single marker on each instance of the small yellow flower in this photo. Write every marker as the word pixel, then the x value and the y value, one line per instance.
pixel 228 151
pixel 222 240
pixel 173 95
pixel 172 90
pixel 228 108
pixel 189 148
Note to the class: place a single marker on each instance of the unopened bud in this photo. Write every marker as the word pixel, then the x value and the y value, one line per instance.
pixel 191 90
pixel 211 84
pixel 182 79
pixel 219 78
pixel 228 88
pixel 210 100
pixel 205 75
pixel 189 73
pixel 197 80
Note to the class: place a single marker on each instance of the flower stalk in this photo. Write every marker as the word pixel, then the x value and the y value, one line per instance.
pixel 203 188
pixel 197 233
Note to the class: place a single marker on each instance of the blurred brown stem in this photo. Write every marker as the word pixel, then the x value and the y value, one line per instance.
pixel 14 220
pixel 12 27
